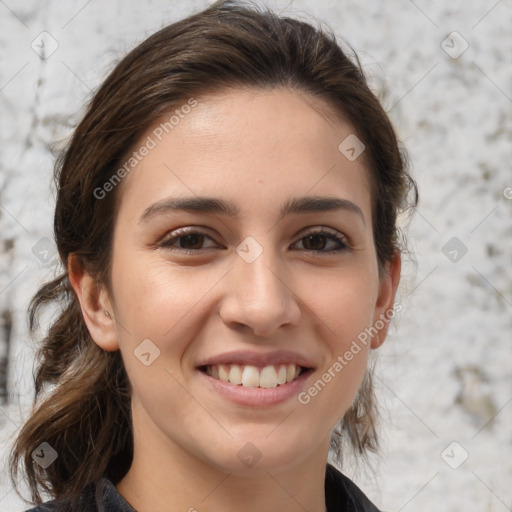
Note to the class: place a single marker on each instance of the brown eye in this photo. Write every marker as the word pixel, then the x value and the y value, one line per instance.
pixel 193 241
pixel 314 242
pixel 187 241
pixel 318 241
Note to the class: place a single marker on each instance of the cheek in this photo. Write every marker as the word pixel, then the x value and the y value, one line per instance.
pixel 160 301
pixel 158 311
pixel 343 306
pixel 343 300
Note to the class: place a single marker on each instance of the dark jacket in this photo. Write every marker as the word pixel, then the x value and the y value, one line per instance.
pixel 341 495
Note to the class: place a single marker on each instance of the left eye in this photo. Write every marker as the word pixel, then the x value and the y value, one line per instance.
pixel 316 241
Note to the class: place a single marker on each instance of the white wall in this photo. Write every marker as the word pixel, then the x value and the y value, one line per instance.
pixel 446 368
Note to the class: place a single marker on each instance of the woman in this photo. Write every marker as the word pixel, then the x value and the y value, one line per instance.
pixel 226 219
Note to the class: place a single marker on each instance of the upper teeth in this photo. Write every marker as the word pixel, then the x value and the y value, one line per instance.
pixel 251 376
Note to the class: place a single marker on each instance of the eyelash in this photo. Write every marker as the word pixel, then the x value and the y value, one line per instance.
pixel 183 232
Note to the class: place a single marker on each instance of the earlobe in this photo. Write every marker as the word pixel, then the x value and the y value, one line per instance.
pixel 95 304
pixel 386 300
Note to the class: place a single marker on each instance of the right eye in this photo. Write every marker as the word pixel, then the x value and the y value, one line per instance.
pixel 185 240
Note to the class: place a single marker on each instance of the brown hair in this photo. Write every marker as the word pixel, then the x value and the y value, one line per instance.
pixel 227 45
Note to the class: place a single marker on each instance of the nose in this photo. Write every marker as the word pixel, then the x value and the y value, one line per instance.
pixel 258 297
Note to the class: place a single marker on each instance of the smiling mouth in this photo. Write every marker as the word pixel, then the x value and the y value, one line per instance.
pixel 251 376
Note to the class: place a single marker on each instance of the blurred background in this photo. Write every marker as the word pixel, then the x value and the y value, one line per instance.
pixel 443 72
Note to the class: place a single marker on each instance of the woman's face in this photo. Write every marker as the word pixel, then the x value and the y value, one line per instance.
pixel 268 267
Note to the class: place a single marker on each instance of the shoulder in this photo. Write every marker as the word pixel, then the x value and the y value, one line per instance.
pixel 102 495
pixel 84 502
pixel 341 494
pixel 45 507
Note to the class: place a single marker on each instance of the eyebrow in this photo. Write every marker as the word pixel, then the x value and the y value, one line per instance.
pixel 298 205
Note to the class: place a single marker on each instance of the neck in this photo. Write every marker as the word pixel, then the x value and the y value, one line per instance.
pixel 172 480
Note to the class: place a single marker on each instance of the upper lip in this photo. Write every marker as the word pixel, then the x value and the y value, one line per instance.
pixel 262 359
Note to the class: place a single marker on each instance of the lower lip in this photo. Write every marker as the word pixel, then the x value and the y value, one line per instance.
pixel 258 396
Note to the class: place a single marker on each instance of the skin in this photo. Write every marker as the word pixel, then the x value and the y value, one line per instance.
pixel 256 149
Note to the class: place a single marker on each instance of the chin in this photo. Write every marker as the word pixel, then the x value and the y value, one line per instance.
pixel 257 452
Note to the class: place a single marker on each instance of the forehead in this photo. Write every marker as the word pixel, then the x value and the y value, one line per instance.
pixel 253 147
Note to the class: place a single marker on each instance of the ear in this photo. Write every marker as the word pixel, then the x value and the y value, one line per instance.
pixel 95 303
pixel 386 299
